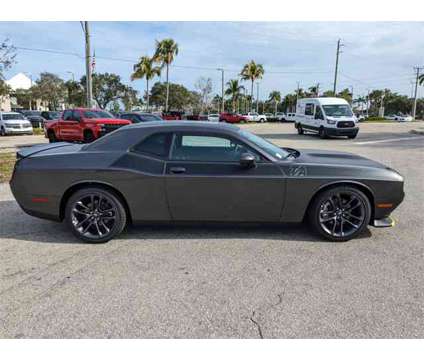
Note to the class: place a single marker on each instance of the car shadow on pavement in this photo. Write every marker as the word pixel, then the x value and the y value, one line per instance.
pixel 15 224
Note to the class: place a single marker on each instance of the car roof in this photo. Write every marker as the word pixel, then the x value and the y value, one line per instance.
pixel 185 125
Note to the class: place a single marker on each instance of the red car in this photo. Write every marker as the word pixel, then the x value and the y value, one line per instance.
pixel 232 117
pixel 82 124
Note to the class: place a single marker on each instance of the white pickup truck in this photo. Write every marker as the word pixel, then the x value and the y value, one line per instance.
pixel 255 117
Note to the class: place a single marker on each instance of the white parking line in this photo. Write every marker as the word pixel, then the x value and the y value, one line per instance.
pixel 388 140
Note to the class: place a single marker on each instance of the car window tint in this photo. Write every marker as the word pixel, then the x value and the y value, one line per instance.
pixel 309 109
pixel 156 144
pixel 147 118
pixel 208 148
pixel 76 115
pixel 67 115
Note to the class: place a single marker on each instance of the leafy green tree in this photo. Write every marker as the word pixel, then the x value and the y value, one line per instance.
pixel 166 50
pixel 328 93
pixel 345 94
pixel 129 98
pixel 24 97
pixel 252 71
pixel 275 96
pixel 106 88
pixel 75 93
pixel 49 88
pixel 145 69
pixel 179 96
pixel 234 90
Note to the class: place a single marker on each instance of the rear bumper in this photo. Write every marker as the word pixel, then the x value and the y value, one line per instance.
pixel 384 222
pixel 341 131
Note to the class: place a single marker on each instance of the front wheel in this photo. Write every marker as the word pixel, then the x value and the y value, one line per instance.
pixel 352 136
pixel 2 131
pixel 88 137
pixel 95 215
pixel 340 213
pixel 322 133
pixel 299 129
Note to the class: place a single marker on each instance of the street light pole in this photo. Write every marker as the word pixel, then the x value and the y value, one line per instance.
pixel 257 97
pixel 414 108
pixel 337 66
pixel 222 88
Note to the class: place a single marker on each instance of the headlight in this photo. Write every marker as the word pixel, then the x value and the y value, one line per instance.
pixel 331 122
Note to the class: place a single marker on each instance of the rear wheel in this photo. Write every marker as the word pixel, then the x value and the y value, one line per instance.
pixel 340 213
pixel 299 129
pixel 322 133
pixel 88 137
pixel 95 215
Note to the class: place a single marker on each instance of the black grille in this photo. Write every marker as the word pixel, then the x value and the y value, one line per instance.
pixel 345 124
pixel 107 128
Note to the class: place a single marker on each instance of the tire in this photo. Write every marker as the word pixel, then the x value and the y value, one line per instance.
pixel 51 136
pixel 88 137
pixel 352 136
pixel 2 131
pixel 99 223
pixel 299 129
pixel 322 134
pixel 333 220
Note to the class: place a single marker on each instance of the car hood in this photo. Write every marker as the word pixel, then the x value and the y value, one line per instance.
pixel 325 157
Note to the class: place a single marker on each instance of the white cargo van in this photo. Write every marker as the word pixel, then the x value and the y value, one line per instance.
pixel 326 116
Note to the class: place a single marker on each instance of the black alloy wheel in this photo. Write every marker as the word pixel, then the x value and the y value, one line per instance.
pixel 95 215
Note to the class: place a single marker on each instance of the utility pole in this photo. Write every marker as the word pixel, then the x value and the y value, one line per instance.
pixel 368 99
pixel 297 95
pixel 351 94
pixel 339 45
pixel 89 86
pixel 222 88
pixel 317 92
pixel 257 97
pixel 414 108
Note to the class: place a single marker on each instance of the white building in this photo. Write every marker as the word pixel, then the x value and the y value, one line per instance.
pixel 19 81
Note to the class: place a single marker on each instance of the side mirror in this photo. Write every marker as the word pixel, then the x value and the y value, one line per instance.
pixel 247 161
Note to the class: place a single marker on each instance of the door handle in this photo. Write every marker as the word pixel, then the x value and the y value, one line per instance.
pixel 177 170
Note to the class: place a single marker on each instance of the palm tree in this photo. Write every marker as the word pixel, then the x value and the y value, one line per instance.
pixel 421 79
pixel 166 50
pixel 276 97
pixel 234 90
pixel 252 71
pixel 145 69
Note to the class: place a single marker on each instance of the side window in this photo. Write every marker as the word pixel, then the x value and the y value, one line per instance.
pixel 67 115
pixel 156 144
pixel 309 109
pixel 76 115
pixel 318 113
pixel 193 147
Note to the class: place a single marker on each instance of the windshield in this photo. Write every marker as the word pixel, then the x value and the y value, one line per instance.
pixel 266 146
pixel 337 110
pixel 150 117
pixel 13 117
pixel 93 114
pixel 54 114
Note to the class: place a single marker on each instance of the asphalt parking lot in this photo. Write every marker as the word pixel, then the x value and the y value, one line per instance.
pixel 226 281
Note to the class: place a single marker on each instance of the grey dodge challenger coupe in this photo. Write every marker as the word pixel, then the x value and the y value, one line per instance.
pixel 201 172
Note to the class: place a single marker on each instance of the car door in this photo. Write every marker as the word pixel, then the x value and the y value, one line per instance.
pixel 65 124
pixel 319 117
pixel 205 182
pixel 309 116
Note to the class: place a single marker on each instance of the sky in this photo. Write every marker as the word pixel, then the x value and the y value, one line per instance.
pixel 375 54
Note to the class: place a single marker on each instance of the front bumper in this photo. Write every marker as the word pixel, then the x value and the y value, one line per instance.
pixel 341 131
pixel 11 131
